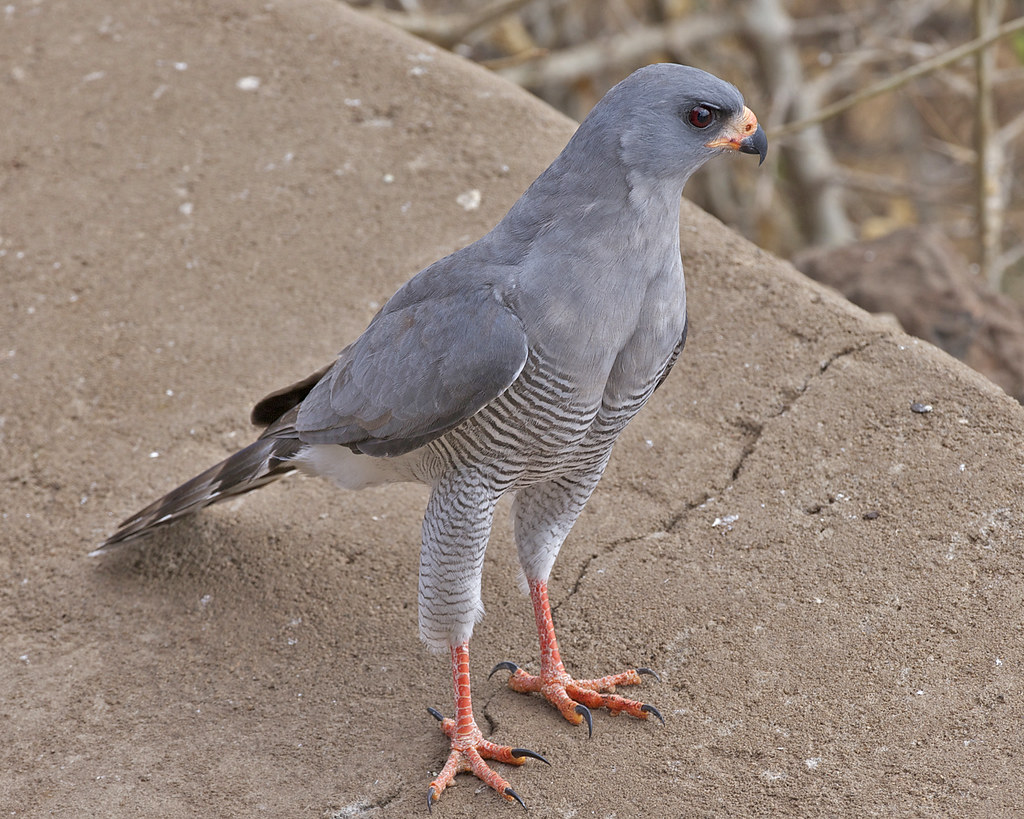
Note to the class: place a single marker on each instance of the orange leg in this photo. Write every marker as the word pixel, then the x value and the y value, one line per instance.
pixel 573 698
pixel 469 748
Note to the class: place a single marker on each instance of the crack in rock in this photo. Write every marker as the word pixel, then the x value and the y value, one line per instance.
pixel 790 397
pixel 581 574
pixel 753 431
pixel 363 806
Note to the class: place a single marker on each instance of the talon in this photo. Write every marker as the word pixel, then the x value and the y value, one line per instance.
pixel 431 799
pixel 436 715
pixel 514 795
pixel 584 712
pixel 574 698
pixel 650 709
pixel 504 664
pixel 470 752
pixel 519 753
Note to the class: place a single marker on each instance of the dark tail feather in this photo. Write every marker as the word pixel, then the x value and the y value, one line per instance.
pixel 260 463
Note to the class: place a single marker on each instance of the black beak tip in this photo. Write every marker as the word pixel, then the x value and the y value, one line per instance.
pixel 756 143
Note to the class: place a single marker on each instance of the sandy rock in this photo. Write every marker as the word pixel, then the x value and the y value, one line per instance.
pixel 204 200
pixel 918 276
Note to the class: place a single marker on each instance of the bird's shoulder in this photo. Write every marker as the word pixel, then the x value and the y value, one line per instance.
pixel 442 347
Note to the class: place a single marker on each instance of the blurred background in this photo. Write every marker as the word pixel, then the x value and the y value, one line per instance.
pixel 894 125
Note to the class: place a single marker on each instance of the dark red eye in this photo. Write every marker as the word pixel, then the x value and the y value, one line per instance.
pixel 700 117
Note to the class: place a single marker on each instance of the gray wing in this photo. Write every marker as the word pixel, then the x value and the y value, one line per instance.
pixel 419 369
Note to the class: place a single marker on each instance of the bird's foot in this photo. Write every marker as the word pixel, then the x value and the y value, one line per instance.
pixel 576 698
pixel 468 755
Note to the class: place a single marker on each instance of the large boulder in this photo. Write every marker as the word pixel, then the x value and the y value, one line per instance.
pixel 204 200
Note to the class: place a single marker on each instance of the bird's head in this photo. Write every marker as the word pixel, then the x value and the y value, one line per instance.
pixel 670 119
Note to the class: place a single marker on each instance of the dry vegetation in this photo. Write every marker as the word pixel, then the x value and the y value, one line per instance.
pixel 930 140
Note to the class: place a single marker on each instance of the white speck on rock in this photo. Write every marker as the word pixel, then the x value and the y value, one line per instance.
pixel 248 83
pixel 185 208
pixel 470 200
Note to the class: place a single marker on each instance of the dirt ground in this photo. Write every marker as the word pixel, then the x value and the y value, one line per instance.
pixel 202 201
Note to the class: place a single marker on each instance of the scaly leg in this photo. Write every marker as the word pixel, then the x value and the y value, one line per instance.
pixel 573 698
pixel 469 748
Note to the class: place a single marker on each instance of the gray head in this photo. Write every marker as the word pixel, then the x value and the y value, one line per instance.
pixel 641 142
pixel 669 119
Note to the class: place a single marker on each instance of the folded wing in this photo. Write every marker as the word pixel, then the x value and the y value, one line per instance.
pixel 418 370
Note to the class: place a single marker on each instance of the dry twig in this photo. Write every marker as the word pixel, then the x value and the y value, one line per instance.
pixel 448 30
pixel 990 164
pixel 899 79
pixel 620 50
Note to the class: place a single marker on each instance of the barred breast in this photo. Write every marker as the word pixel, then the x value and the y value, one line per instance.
pixel 537 430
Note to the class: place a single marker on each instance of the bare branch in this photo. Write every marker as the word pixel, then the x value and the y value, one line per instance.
pixel 810 162
pixel 450 29
pixel 889 185
pixel 621 50
pixel 1012 129
pixel 989 167
pixel 900 79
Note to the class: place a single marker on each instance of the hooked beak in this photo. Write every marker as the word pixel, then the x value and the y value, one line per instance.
pixel 743 134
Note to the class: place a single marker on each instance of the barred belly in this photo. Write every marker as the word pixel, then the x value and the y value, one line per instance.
pixel 535 431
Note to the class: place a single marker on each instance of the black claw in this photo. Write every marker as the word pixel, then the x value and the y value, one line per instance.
pixel 514 795
pixel 435 714
pixel 519 753
pixel 431 799
pixel 508 665
pixel 650 672
pixel 584 712
pixel 650 709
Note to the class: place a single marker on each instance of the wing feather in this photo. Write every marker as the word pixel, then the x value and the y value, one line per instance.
pixel 422 367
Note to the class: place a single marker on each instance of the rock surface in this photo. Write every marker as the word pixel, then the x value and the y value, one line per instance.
pixel 203 201
pixel 918 276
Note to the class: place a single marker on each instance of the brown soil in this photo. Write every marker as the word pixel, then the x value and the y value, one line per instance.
pixel 829 584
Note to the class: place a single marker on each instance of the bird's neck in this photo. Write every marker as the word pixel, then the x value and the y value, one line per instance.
pixel 601 201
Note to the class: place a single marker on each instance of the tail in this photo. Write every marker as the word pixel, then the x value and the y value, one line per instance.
pixel 262 462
